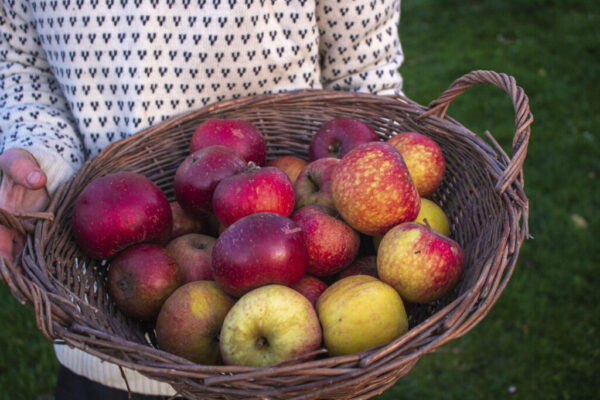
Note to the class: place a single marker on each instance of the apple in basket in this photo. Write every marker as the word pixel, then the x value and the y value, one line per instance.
pixel 372 189
pixel 291 165
pixel 184 223
pixel 253 191
pixel 198 175
pixel 119 210
pixel 311 287
pixel 141 278
pixel 190 320
pixel 419 262
pixel 336 137
pixel 192 252
pixel 269 325
pixel 257 250
pixel 366 265
pixel 237 134
pixel 358 313
pixel 313 185
pixel 434 216
pixel 423 158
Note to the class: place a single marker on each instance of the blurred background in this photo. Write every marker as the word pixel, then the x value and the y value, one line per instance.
pixel 541 339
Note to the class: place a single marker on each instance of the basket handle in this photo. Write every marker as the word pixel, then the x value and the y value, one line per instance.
pixel 523 116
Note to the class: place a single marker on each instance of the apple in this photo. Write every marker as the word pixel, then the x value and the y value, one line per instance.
pixel 119 210
pixel 192 252
pixel 310 287
pixel 291 165
pixel 184 223
pixel 372 189
pixel 237 134
pixel 313 185
pixel 269 325
pixel 431 214
pixel 420 263
pixel 331 244
pixel 257 250
pixel 360 312
pixel 256 190
pixel 189 322
pixel 140 278
pixel 423 158
pixel 336 137
pixel 366 265
pixel 198 175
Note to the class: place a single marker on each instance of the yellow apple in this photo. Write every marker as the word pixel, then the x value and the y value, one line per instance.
pixel 358 313
pixel 435 216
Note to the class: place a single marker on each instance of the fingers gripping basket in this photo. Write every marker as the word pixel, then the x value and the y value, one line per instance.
pixel 482 195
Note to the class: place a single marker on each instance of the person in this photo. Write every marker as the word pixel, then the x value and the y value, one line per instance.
pixel 78 75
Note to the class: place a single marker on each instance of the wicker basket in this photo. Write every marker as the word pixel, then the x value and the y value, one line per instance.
pixel 482 194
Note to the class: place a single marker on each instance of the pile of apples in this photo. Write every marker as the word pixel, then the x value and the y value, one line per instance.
pixel 256 263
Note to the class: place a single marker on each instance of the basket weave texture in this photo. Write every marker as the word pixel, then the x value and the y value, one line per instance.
pixel 482 194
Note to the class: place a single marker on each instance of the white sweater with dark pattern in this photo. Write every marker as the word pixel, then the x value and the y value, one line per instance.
pixel 76 75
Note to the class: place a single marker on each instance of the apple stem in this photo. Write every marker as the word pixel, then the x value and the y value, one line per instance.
pixel 427 223
pixel 261 342
pixel 252 166
pixel 334 149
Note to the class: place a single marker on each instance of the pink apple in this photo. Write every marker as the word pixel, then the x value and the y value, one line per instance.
pixel 118 210
pixel 366 265
pixel 256 190
pixel 338 136
pixel 141 278
pixel 184 223
pixel 313 185
pixel 239 135
pixel 310 287
pixel 291 165
pixel 372 189
pixel 423 158
pixel 331 244
pixel 192 252
pixel 256 250
pixel 419 262
pixel 198 175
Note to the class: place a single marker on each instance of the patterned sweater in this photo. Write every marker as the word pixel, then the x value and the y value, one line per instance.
pixel 76 75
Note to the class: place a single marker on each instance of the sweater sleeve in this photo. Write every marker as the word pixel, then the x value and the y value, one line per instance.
pixel 360 46
pixel 34 114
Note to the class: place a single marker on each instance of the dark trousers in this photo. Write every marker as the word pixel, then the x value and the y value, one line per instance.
pixel 71 386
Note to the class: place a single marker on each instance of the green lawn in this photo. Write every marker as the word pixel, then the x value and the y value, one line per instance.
pixel 540 341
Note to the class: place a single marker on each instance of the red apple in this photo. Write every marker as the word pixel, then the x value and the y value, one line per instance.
pixel 192 252
pixel 310 287
pixel 239 135
pixel 141 278
pixel 361 266
pixel 198 175
pixel 313 185
pixel 372 189
pixel 257 190
pixel 291 165
pixel 423 158
pixel 256 250
pixel 331 244
pixel 338 136
pixel 119 210
pixel 184 223
pixel 419 262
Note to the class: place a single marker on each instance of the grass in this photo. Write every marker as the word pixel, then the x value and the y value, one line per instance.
pixel 540 341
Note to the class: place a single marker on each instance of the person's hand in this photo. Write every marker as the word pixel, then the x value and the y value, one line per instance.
pixel 22 190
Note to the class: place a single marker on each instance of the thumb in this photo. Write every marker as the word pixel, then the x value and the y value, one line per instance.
pixel 22 167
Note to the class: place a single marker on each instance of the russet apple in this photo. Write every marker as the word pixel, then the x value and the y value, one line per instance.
pixel 366 265
pixel 372 189
pixel 291 165
pixel 313 185
pixel 431 214
pixel 257 250
pixel 420 263
pixel 331 244
pixel 336 137
pixel 198 175
pixel 360 312
pixel 310 287
pixel 140 278
pixel 269 325
pixel 190 320
pixel 253 191
pixel 118 210
pixel 192 252
pixel 424 159
pixel 237 134
pixel 184 223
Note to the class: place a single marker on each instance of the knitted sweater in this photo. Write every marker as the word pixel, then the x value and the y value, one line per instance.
pixel 76 75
